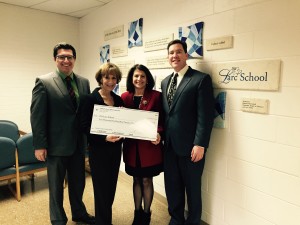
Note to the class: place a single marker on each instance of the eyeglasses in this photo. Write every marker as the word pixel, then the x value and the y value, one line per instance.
pixel 63 57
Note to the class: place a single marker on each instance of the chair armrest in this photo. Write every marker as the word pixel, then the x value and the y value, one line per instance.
pixel 21 132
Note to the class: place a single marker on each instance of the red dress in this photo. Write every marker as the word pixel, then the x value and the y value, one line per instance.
pixel 141 157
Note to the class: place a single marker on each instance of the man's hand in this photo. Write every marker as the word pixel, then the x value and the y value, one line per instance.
pixel 197 153
pixel 41 154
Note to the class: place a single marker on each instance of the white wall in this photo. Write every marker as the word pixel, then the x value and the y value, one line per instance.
pixel 27 38
pixel 252 174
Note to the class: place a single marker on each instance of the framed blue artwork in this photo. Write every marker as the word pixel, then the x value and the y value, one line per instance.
pixel 104 54
pixel 192 35
pixel 135 32
pixel 220 103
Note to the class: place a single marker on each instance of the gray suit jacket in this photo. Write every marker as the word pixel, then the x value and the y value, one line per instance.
pixel 189 120
pixel 54 120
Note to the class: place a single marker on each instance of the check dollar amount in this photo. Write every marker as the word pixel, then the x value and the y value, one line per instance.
pixel 124 122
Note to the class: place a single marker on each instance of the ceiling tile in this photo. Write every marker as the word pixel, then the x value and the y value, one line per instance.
pixel 75 8
pixel 67 6
pixel 81 13
pixel 24 3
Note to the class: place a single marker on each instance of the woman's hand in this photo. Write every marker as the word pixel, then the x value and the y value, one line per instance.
pixel 112 138
pixel 156 142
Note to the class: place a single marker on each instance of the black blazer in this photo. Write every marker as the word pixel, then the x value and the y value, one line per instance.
pixel 86 114
pixel 189 120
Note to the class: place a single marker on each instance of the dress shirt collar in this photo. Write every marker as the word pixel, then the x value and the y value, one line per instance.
pixel 182 71
pixel 180 74
pixel 63 76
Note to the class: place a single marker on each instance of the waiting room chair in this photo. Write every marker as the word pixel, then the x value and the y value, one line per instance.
pixel 9 165
pixel 10 130
pixel 28 164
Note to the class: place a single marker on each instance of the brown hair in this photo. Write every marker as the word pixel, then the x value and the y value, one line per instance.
pixel 107 69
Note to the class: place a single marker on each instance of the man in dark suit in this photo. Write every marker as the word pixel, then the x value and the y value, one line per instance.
pixel 188 104
pixel 56 135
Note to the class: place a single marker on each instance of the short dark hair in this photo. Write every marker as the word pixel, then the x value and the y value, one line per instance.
pixel 177 41
pixel 63 45
pixel 150 80
pixel 107 69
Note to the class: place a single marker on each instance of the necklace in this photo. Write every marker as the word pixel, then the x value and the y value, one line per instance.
pixel 137 101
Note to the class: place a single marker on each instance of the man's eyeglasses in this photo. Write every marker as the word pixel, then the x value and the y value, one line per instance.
pixel 63 57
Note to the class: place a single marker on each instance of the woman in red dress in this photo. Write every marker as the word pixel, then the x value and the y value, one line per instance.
pixel 143 159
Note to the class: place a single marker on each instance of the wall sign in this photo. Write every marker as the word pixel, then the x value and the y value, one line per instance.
pixel 255 105
pixel 250 75
pixel 157 62
pixel 118 51
pixel 157 43
pixel 124 66
pixel 114 33
pixel 219 43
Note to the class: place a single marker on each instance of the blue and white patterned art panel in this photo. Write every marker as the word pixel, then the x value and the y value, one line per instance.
pixel 135 32
pixel 117 89
pixel 220 103
pixel 192 35
pixel 104 54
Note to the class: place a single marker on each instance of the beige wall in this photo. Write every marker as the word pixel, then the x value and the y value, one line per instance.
pixel 252 173
pixel 27 38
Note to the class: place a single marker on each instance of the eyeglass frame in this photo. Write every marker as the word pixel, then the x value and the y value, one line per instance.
pixel 63 57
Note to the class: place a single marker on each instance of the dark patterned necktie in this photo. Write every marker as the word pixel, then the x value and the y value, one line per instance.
pixel 71 91
pixel 172 89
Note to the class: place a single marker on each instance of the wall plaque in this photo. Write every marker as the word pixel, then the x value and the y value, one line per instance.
pixel 124 66
pixel 250 75
pixel 114 33
pixel 158 43
pixel 219 43
pixel 157 62
pixel 118 51
pixel 255 105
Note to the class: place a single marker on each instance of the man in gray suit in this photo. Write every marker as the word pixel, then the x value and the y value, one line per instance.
pixel 56 135
pixel 188 104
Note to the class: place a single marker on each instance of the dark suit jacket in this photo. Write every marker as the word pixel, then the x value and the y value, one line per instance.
pixel 54 120
pixel 189 120
pixel 149 153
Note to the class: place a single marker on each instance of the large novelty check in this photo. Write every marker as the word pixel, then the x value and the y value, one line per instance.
pixel 129 123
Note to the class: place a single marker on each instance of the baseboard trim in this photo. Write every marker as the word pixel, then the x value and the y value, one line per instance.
pixel 162 199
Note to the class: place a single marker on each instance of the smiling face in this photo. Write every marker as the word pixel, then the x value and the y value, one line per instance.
pixel 65 61
pixel 177 57
pixel 109 82
pixel 139 79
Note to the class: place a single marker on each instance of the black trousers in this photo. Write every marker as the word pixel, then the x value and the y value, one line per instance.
pixel 182 176
pixel 57 168
pixel 105 164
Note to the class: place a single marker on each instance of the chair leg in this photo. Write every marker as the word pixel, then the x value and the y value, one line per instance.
pixel 16 193
pixel 66 182
pixel 18 189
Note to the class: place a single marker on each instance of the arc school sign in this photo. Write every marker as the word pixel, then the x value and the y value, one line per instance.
pixel 249 75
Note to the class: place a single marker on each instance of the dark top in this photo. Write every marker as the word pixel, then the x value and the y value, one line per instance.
pixel 86 113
